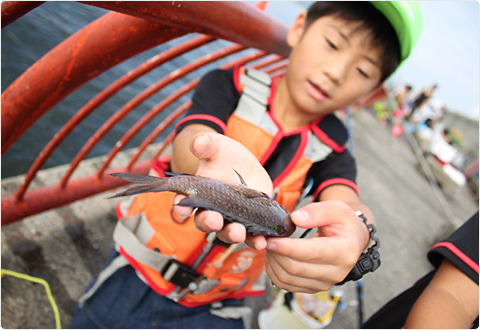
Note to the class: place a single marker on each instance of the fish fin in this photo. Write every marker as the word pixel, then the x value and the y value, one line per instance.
pixel 242 181
pixel 192 202
pixel 169 174
pixel 136 178
pixel 262 197
pixel 144 188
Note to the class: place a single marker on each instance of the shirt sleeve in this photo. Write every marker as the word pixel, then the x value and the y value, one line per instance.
pixel 213 101
pixel 337 168
pixel 460 248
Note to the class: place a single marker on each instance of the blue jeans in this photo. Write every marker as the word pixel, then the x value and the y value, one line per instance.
pixel 125 301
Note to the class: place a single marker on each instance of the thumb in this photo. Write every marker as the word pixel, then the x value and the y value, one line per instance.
pixel 322 214
pixel 204 146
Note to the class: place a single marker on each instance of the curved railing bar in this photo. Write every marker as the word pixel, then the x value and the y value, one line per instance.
pixel 169 139
pixel 277 66
pixel 278 73
pixel 101 97
pixel 267 61
pixel 166 142
pixel 166 102
pixel 156 132
pixel 213 18
pixel 134 102
pixel 52 196
pixel 144 120
pixel 70 64
pixel 117 37
pixel 160 128
pixel 13 10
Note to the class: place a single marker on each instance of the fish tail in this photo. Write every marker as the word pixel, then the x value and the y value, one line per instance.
pixel 136 178
pixel 143 188
pixel 145 183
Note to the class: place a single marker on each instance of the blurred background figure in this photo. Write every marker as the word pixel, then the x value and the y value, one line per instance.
pixel 402 108
pixel 404 102
pixel 419 100
pixel 432 109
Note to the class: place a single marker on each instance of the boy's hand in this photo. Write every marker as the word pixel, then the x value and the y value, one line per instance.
pixel 218 157
pixel 297 265
pixel 316 264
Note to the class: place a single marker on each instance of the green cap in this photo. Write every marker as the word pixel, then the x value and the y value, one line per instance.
pixel 407 20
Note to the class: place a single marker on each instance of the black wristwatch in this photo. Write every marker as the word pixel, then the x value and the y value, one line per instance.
pixel 369 260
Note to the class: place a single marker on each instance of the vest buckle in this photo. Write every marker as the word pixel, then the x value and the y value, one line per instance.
pixel 179 274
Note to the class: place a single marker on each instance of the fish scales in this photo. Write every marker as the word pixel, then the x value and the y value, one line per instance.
pixel 237 203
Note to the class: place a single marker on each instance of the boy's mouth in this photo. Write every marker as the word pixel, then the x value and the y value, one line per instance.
pixel 316 91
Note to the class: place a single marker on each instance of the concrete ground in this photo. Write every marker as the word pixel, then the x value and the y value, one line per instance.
pixel 67 246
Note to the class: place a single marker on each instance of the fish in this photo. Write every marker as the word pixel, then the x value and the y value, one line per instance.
pixel 235 202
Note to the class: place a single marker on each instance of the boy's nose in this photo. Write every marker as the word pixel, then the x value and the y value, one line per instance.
pixel 336 70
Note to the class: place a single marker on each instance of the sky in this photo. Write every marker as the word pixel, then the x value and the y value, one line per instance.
pixel 447 53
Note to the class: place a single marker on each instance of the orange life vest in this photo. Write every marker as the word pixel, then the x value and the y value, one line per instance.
pixel 181 245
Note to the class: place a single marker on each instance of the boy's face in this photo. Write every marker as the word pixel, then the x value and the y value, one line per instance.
pixel 331 65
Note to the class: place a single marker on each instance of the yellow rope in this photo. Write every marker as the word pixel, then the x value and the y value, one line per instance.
pixel 47 289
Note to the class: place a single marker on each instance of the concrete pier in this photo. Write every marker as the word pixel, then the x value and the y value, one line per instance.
pixel 67 246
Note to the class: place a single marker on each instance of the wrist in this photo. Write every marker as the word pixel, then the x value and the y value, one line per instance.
pixel 365 230
pixel 369 260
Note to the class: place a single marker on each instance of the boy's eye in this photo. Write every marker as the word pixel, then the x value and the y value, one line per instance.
pixel 331 44
pixel 363 73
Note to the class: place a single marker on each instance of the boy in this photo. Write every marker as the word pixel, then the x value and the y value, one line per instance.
pixel 183 278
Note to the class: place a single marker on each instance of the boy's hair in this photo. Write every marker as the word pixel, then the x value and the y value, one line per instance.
pixel 382 32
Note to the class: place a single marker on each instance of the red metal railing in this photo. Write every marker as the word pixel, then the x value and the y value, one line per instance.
pixel 130 28
pixel 13 10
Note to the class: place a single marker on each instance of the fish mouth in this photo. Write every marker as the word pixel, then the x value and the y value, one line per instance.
pixel 289 227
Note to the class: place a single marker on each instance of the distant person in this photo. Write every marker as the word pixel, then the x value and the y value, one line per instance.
pixel 403 108
pixel 404 102
pixel 432 108
pixel 167 273
pixel 420 99
pixel 445 298
pixel 447 135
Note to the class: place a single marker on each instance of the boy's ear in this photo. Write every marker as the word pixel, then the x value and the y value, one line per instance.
pixel 296 29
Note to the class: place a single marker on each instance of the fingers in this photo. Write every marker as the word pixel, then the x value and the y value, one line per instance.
pixel 208 221
pixel 285 286
pixel 183 211
pixel 233 233
pixel 203 146
pixel 258 242
pixel 317 263
pixel 304 278
pixel 312 274
pixel 330 250
pixel 219 156
pixel 323 214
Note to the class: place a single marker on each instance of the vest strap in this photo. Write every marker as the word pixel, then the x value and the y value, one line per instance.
pixel 132 233
pixel 230 312
pixel 127 234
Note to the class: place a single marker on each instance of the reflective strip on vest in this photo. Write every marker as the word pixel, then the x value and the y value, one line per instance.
pixel 132 233
pixel 316 150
